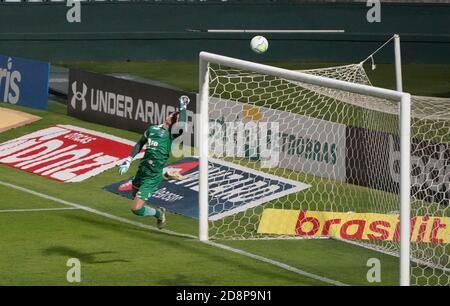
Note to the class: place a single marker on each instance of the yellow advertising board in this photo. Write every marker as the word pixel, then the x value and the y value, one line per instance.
pixel 359 226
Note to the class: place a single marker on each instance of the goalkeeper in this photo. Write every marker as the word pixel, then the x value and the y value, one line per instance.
pixel 158 139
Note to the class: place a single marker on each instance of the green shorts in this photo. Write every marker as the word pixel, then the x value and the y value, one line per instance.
pixel 146 182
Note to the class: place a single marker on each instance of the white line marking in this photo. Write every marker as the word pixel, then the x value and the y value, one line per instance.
pixel 94 211
pixel 36 209
pixel 275 263
pixel 266 31
pixel 391 253
pixel 146 226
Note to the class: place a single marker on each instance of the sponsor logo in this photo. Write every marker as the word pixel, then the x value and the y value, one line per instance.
pixel 317 146
pixel 24 82
pixel 358 226
pixel 79 96
pixel 289 144
pixel 65 153
pixel 120 105
pixel 373 160
pixel 127 104
pixel 232 189
pixel 430 169
pixel 309 149
pixel 11 80
pixel 97 96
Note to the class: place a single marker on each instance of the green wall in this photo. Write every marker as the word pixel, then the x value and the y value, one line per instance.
pixel 147 31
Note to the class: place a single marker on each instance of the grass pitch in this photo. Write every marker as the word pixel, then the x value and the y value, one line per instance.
pixel 35 245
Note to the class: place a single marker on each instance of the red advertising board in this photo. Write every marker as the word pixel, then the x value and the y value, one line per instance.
pixel 65 153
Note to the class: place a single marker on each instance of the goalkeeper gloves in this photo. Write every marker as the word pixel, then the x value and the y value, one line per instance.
pixel 123 168
pixel 184 101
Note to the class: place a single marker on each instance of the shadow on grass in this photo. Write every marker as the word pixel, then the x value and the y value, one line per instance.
pixel 192 247
pixel 90 258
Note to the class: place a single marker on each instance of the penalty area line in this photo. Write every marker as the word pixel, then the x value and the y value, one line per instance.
pixel 153 228
pixel 94 211
pixel 36 209
pixel 276 263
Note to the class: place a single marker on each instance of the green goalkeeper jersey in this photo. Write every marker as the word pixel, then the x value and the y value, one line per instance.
pixel 159 142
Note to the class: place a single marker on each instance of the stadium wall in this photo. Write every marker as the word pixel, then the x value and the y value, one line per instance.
pixel 161 31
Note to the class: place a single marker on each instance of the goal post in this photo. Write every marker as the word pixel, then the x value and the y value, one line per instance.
pixel 327 87
pixel 398 63
pixel 405 189
pixel 203 148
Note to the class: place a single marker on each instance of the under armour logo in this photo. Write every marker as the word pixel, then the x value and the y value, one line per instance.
pixel 79 95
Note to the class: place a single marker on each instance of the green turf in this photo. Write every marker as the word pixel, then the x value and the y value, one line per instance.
pixel 39 243
pixel 418 79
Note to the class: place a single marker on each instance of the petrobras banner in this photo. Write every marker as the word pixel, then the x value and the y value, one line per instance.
pixel 123 104
pixel 349 154
pixel 373 160
pixel 304 144
pixel 65 153
pixel 357 226
pixel 24 82
pixel 232 189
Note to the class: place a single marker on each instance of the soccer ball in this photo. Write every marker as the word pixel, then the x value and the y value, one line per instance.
pixel 259 44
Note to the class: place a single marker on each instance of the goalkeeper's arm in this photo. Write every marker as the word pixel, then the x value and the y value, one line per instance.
pixel 184 101
pixel 138 146
pixel 123 168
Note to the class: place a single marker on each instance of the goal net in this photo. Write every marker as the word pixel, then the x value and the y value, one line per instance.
pixel 292 159
pixel 430 173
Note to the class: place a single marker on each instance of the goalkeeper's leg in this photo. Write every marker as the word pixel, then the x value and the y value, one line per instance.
pixel 141 195
pixel 140 209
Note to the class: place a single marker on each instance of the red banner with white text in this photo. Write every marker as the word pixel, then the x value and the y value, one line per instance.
pixel 65 153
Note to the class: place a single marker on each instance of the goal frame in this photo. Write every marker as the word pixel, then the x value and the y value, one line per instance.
pixel 404 100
